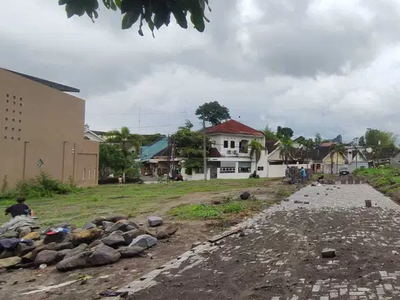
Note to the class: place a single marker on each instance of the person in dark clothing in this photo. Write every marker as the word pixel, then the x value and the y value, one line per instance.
pixel 19 209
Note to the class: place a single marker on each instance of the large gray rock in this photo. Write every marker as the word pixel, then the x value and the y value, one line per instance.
pixel 103 255
pixel 154 221
pixel 6 254
pixel 245 195
pixel 115 218
pixel 143 241
pixel 62 253
pixel 116 227
pixel 88 225
pixel 47 257
pixel 73 262
pixel 23 249
pixel 9 262
pixel 162 234
pixel 62 246
pixel 131 234
pixel 9 234
pixel 115 239
pixel 127 252
pixel 106 224
pixel 86 236
pixel 80 249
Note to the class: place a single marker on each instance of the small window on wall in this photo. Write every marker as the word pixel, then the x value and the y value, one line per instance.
pixel 83 174
pixel 225 144
pixel 260 168
pixel 232 144
pixel 89 174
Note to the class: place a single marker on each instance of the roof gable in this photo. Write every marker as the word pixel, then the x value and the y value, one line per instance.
pixel 233 127
pixel 149 151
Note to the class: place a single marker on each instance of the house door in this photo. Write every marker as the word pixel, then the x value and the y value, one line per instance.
pixel 213 173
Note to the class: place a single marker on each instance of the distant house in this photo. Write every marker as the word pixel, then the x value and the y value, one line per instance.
pixel 149 162
pixel 41 129
pixel 92 135
pixel 229 157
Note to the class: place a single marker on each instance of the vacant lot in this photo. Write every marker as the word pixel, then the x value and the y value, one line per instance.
pixel 199 209
pixel 135 200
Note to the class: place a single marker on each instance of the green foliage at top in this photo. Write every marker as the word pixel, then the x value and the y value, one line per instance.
pixel 189 145
pixel 284 133
pixel 270 134
pixel 42 185
pixel 382 143
pixel 213 112
pixel 155 13
pixel 286 149
pixel 111 159
pixel 318 139
pixel 255 149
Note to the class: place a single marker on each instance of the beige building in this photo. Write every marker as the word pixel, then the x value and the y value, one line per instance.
pixel 41 129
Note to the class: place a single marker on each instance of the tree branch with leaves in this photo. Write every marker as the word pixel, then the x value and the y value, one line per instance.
pixel 156 13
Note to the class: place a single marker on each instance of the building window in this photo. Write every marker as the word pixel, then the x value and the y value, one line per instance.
pixel 260 168
pixel 244 146
pixel 83 174
pixel 233 144
pixel 89 174
pixel 225 144
pixel 227 170
pixel 244 167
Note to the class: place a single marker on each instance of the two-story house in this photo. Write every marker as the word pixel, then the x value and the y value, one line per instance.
pixel 41 129
pixel 231 151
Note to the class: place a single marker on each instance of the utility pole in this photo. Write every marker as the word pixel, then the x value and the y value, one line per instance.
pixel 204 150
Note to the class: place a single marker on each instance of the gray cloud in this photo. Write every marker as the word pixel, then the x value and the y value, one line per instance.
pixel 317 66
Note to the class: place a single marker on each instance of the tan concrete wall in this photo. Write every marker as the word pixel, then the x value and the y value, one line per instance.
pixel 41 123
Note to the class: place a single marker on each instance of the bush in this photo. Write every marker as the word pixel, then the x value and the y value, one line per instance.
pixel 109 180
pixel 42 185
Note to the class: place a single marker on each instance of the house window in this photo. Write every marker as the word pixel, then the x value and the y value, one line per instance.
pixel 260 168
pixel 225 144
pixel 244 146
pixel 227 170
pixel 244 167
pixel 89 174
pixel 233 144
pixel 83 174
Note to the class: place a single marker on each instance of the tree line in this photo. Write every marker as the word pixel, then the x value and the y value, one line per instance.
pixel 122 149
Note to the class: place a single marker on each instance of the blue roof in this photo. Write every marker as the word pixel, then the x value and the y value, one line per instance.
pixel 149 151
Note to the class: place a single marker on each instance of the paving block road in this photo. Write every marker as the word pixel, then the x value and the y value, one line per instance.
pixel 279 256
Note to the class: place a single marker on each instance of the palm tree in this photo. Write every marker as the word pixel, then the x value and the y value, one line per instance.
pixel 286 149
pixel 255 150
pixel 308 145
pixel 126 140
pixel 336 149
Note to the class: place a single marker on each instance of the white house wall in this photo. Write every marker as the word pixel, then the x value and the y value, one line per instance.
pixel 218 142
pixel 279 170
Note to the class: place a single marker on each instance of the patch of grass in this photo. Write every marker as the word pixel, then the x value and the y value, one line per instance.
pixel 85 204
pixel 221 211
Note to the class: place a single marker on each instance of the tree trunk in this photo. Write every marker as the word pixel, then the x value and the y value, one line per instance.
pixel 337 163
pixel 123 177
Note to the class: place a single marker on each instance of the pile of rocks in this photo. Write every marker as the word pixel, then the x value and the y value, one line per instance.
pixel 100 242
pixel 293 174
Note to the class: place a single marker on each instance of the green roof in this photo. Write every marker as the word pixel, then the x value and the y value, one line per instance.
pixel 147 152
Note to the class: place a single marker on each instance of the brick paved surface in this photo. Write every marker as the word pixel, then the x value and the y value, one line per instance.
pixel 279 257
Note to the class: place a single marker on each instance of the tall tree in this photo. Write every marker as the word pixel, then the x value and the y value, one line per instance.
pixel 125 140
pixel 155 13
pixel 269 134
pixel 361 141
pixel 255 151
pixel 213 112
pixel 383 143
pixel 286 149
pixel 336 149
pixel 308 145
pixel 189 145
pixel 111 160
pixel 284 133
pixel 318 139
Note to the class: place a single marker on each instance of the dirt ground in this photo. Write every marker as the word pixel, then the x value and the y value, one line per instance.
pixel 283 260
pixel 15 283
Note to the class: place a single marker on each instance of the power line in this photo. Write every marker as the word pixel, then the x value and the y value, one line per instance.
pixel 142 113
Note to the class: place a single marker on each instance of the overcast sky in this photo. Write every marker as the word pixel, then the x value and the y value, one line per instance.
pixel 328 66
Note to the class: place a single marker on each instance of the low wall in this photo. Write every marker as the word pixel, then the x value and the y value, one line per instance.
pixel 279 170
pixel 233 175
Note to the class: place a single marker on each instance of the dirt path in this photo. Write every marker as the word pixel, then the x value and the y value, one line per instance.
pixel 280 255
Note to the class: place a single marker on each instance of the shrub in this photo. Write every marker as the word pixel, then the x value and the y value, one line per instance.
pixel 42 185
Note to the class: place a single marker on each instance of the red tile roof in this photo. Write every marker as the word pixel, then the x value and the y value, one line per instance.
pixel 233 127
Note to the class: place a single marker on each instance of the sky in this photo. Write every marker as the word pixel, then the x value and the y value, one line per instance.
pixel 327 66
